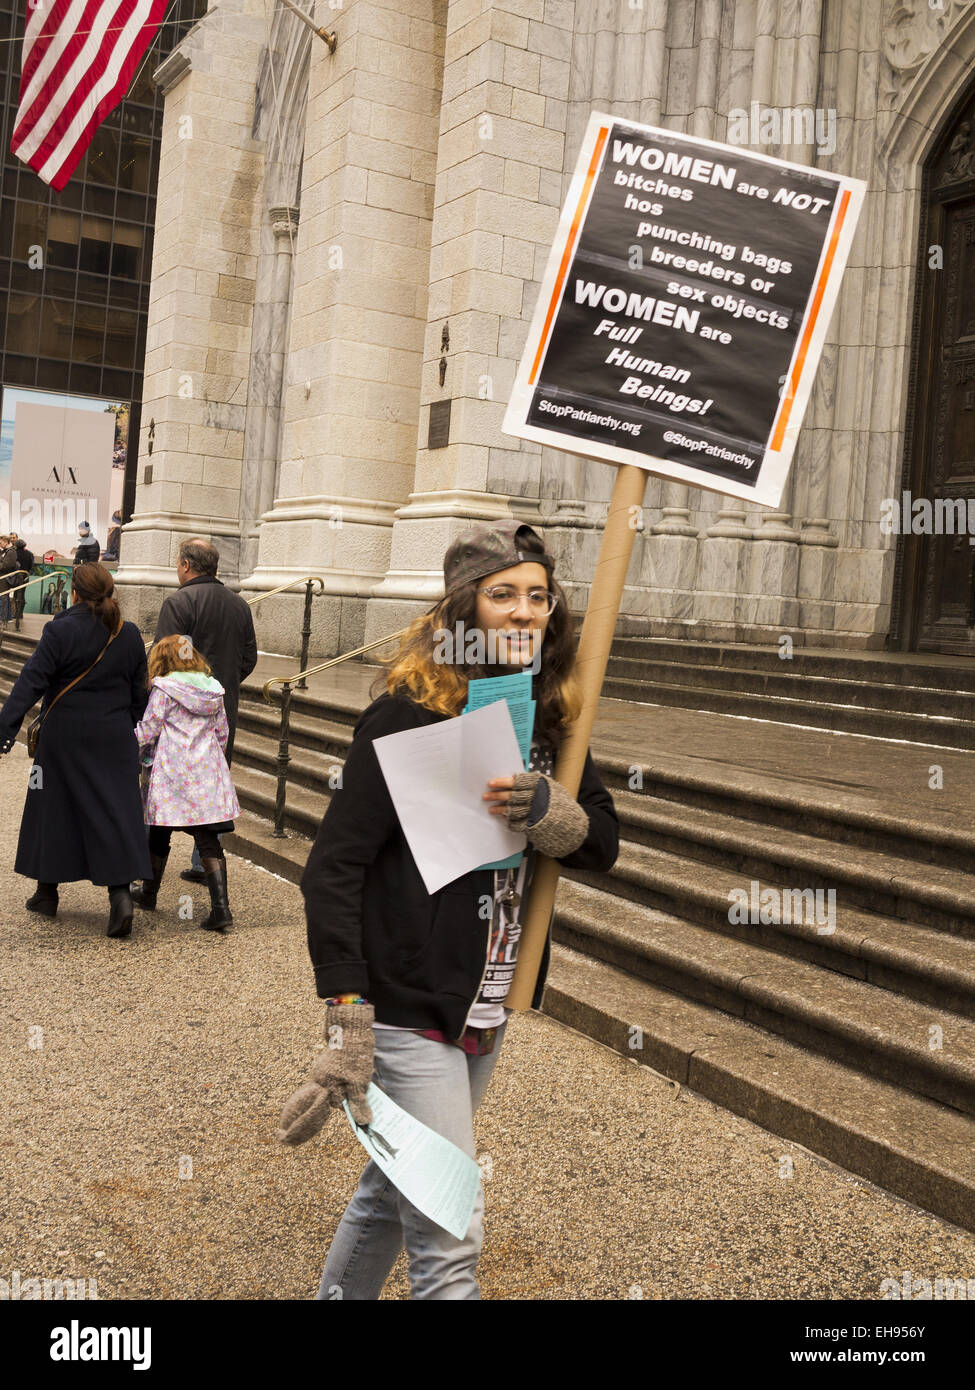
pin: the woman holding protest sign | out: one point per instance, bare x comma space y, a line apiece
414, 983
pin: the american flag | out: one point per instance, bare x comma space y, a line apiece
78, 60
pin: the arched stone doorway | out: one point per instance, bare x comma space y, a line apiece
935, 593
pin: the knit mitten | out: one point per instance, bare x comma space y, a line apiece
564, 825
341, 1071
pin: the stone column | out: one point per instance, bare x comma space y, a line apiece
352, 398
772, 603
200, 305
262, 429
498, 194
671, 551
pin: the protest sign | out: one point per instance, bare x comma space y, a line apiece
684, 308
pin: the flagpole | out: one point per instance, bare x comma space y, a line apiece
330, 38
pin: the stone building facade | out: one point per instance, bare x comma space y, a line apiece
346, 238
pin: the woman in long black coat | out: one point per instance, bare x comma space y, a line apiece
83, 813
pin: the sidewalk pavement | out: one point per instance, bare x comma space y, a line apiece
129, 1063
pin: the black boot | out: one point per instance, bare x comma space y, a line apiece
220, 915
121, 910
194, 876
45, 900
147, 894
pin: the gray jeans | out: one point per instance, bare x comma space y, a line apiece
441, 1086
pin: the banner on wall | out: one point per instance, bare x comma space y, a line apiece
684, 307
59, 467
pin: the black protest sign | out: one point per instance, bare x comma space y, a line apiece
684, 308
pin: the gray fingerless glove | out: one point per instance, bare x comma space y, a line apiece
564, 825
341, 1071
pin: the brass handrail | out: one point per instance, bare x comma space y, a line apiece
308, 581
296, 681
332, 661
266, 593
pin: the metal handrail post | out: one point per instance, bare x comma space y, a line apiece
302, 684
284, 758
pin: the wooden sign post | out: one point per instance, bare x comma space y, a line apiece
592, 654
678, 330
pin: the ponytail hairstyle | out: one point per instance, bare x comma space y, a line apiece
95, 586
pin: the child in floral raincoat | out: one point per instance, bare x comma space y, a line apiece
190, 787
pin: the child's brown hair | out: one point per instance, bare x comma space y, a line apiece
176, 653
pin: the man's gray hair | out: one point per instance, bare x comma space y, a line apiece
200, 555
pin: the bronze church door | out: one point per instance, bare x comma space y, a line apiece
943, 471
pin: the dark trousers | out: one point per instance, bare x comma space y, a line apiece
206, 838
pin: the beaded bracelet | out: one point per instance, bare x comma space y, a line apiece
345, 999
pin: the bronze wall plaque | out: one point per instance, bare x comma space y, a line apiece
438, 430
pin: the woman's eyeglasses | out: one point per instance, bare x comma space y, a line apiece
505, 599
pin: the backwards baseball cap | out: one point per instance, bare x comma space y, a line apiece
490, 546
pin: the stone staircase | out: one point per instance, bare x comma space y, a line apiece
886, 695
852, 1037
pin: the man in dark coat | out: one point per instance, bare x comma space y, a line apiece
221, 626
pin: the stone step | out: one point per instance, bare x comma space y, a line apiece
782, 803
883, 698
930, 730
928, 965
257, 789
916, 1148
17, 644
254, 839
934, 895
341, 708
753, 797
852, 1021
260, 731
308, 767
939, 673
943, 896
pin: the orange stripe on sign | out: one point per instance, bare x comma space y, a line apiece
786, 407
567, 253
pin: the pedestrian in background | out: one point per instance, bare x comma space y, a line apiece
8, 576
114, 542
25, 562
190, 789
221, 626
83, 813
88, 550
